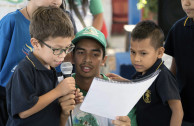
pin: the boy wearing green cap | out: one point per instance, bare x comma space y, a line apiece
88, 56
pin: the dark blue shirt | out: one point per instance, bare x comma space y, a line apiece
153, 109
180, 45
29, 81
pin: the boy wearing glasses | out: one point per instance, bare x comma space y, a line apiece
32, 91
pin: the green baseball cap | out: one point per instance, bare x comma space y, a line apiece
90, 32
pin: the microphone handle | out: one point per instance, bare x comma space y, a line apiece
71, 118
65, 76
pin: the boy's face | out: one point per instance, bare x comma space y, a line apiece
188, 7
46, 3
46, 55
88, 57
144, 55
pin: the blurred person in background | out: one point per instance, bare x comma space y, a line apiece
180, 44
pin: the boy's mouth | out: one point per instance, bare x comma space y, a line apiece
138, 66
58, 62
188, 10
86, 69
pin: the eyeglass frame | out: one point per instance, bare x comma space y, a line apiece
61, 50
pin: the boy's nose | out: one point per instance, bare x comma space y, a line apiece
137, 58
87, 58
55, 3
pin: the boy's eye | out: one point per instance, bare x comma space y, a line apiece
143, 53
56, 51
80, 52
96, 54
132, 52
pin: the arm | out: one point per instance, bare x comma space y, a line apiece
116, 77
63, 119
122, 121
173, 67
63, 88
98, 21
177, 112
68, 103
96, 9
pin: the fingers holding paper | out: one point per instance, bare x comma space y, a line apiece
116, 77
78, 96
122, 121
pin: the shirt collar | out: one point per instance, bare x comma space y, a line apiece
36, 63
188, 22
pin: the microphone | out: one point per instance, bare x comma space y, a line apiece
66, 69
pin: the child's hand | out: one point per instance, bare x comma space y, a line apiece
122, 121
116, 77
78, 96
67, 103
66, 86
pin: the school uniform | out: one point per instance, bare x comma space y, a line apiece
153, 109
180, 45
29, 81
3, 110
14, 46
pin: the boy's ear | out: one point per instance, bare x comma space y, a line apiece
161, 52
104, 60
35, 43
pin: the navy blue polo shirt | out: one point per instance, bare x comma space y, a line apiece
152, 109
180, 45
29, 81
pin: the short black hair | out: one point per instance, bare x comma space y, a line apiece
148, 29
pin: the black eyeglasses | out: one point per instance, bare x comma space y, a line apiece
59, 51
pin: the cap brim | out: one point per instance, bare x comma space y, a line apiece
87, 36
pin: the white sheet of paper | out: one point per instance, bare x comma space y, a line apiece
110, 99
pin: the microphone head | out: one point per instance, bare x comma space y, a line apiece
66, 68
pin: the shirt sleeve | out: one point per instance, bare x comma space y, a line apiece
169, 48
6, 31
20, 91
96, 7
132, 116
167, 87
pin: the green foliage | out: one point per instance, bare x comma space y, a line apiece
151, 5
150, 8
